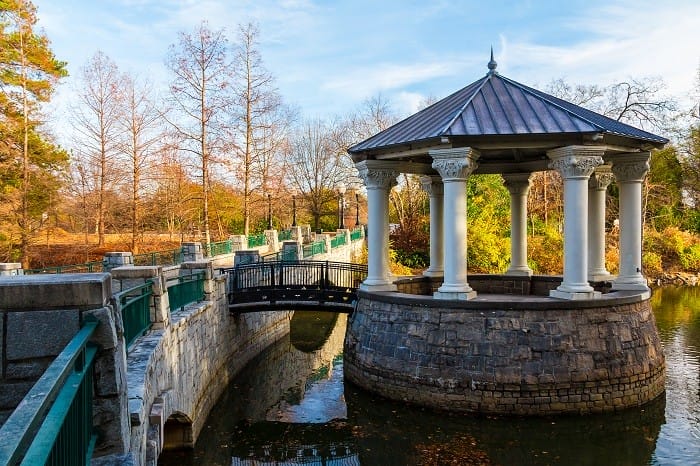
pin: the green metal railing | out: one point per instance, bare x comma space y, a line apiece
284, 235
87, 267
171, 257
188, 289
136, 310
53, 423
339, 240
256, 240
356, 234
319, 247
216, 249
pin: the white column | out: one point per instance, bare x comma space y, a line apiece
597, 186
518, 185
433, 186
575, 165
454, 167
379, 178
629, 171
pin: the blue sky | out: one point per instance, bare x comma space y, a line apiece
329, 56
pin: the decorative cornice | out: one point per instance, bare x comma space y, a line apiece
517, 183
432, 185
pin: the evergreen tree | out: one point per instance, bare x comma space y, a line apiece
29, 160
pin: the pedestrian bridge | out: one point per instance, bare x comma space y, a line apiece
300, 285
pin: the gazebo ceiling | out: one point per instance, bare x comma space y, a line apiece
508, 122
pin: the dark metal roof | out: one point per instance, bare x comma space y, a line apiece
497, 106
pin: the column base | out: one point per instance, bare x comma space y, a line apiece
637, 283
574, 295
603, 276
454, 295
522, 271
376, 285
433, 273
460, 292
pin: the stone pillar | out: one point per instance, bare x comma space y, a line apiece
192, 252
433, 186
597, 186
238, 242
575, 165
297, 234
629, 171
518, 185
249, 256
112, 260
454, 166
292, 250
11, 269
273, 241
379, 177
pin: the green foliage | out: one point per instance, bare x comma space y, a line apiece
664, 189
680, 249
546, 251
651, 263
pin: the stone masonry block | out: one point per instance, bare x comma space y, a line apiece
37, 334
75, 290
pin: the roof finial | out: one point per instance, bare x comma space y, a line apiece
492, 64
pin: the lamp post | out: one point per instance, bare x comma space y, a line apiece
294, 210
341, 203
357, 209
269, 211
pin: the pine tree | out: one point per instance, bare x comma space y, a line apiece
29, 159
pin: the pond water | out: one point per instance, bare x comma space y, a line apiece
291, 406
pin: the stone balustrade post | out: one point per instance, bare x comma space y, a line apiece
249, 256
292, 250
192, 251
8, 269
127, 277
273, 241
298, 233
112, 260
238, 242
575, 164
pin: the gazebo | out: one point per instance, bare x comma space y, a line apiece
583, 342
497, 125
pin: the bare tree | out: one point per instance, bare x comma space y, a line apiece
143, 133
98, 131
261, 121
315, 166
200, 94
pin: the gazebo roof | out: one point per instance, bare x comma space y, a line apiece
496, 111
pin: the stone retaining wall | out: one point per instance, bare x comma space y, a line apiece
532, 356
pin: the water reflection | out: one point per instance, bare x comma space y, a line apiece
289, 407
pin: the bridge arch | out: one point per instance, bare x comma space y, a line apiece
177, 432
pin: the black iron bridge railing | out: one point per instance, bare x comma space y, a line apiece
294, 285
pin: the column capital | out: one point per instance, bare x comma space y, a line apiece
432, 185
378, 174
601, 178
455, 164
517, 183
629, 168
575, 161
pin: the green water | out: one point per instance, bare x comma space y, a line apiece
291, 406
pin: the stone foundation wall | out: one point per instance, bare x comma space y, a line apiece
528, 357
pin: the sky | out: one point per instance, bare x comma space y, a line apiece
329, 56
